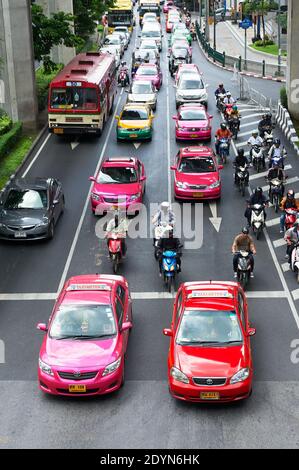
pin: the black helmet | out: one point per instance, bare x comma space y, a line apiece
241, 153
277, 141
269, 116
290, 194
223, 126
245, 230
258, 190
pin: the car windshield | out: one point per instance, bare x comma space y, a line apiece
74, 98
26, 199
140, 88
197, 165
83, 321
113, 40
145, 54
147, 71
180, 53
192, 115
209, 327
134, 114
150, 34
117, 175
191, 84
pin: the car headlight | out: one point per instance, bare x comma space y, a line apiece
178, 375
181, 128
45, 367
44, 223
147, 128
215, 185
3, 226
135, 196
95, 197
181, 185
240, 376
112, 367
204, 96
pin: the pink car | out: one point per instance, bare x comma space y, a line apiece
83, 352
186, 68
150, 72
193, 123
120, 182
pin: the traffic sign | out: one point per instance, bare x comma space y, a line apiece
245, 24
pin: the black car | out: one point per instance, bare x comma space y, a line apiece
177, 57
144, 56
30, 208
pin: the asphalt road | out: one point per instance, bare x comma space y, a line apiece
143, 414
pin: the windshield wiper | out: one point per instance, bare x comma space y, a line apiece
200, 342
84, 336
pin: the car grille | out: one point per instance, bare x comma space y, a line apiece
132, 130
216, 381
197, 186
73, 376
67, 392
26, 227
115, 200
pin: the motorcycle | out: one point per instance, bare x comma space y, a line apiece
169, 268
257, 158
224, 149
279, 160
115, 249
123, 77
242, 176
268, 139
258, 219
244, 268
220, 102
159, 231
234, 124
291, 217
276, 192
295, 260
227, 110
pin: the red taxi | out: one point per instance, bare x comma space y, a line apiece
209, 357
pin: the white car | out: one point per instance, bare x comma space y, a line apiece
191, 89
111, 40
123, 37
143, 92
149, 33
149, 44
123, 29
114, 50
150, 17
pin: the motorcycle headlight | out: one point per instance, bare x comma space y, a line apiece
178, 375
240, 376
95, 196
45, 367
215, 185
112, 367
181, 185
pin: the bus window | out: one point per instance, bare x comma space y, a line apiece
75, 98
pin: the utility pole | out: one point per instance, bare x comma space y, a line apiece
279, 37
215, 24
207, 26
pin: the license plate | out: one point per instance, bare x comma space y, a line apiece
133, 135
194, 135
58, 131
209, 395
20, 234
197, 194
77, 388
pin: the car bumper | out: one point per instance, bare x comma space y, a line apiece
202, 101
127, 134
100, 208
98, 386
66, 130
35, 234
200, 194
227, 393
184, 135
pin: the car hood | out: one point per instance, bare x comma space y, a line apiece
140, 97
78, 353
152, 78
134, 124
22, 217
193, 124
193, 92
211, 362
197, 178
116, 189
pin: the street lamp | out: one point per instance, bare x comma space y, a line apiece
214, 6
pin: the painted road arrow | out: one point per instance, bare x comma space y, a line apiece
136, 145
215, 221
75, 144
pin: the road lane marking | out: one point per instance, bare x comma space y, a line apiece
28, 296
295, 294
243, 134
36, 156
215, 221
168, 137
136, 145
272, 222
77, 233
249, 116
265, 173
248, 124
278, 243
289, 181
285, 267
241, 144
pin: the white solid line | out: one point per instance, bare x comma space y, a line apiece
265, 173
295, 294
285, 267
75, 240
28, 296
266, 294
36, 156
279, 242
168, 137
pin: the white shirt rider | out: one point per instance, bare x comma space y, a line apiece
255, 141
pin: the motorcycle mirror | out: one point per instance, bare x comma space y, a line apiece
167, 332
173, 167
174, 117
92, 178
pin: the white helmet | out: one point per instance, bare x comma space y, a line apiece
165, 206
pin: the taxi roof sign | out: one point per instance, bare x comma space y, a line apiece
87, 287
211, 293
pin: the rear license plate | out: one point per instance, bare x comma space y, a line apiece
58, 131
133, 135
20, 234
197, 194
77, 388
209, 395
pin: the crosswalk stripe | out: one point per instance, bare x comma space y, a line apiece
272, 222
289, 181
243, 134
285, 267
279, 242
248, 124
265, 173
295, 294
241, 144
252, 115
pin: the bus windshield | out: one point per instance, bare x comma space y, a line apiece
118, 18
74, 98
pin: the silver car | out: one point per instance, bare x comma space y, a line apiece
114, 50
191, 89
111, 40
143, 92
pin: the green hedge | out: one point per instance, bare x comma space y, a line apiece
5, 123
43, 81
284, 97
10, 139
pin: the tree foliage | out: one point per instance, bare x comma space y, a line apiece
87, 12
259, 8
49, 32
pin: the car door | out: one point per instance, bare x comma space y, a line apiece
140, 172
242, 306
121, 318
57, 202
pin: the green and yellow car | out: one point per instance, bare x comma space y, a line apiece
135, 122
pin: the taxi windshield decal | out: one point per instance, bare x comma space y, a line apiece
88, 287
210, 293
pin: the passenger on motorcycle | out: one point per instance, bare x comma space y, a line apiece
257, 197
292, 238
276, 151
235, 114
255, 139
222, 133
229, 99
288, 202
170, 243
276, 173
243, 242
119, 225
265, 123
240, 161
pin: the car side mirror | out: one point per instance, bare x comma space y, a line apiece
92, 178
143, 178
251, 332
220, 167
126, 326
173, 167
116, 117
167, 332
174, 118
42, 327
211, 117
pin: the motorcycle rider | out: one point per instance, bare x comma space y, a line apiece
265, 123
257, 197
241, 161
229, 99
222, 133
292, 238
276, 151
220, 90
235, 114
164, 216
288, 202
276, 173
255, 139
170, 243
243, 242
124, 68
119, 225
193, 31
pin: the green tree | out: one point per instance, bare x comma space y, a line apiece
259, 8
87, 13
49, 32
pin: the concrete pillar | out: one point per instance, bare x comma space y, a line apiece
293, 58
59, 54
17, 69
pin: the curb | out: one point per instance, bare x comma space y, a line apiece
247, 74
285, 122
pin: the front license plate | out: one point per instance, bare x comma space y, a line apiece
209, 395
77, 388
20, 234
194, 136
58, 131
133, 135
197, 194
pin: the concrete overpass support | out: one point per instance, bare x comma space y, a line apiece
293, 58
18, 95
60, 54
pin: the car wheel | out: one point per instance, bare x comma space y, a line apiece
123, 376
51, 231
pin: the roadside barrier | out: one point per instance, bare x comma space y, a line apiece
285, 122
